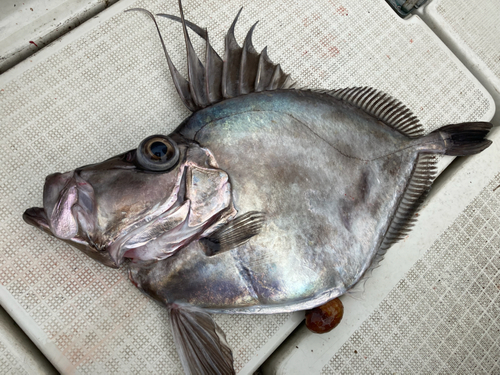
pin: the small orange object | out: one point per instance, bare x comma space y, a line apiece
326, 317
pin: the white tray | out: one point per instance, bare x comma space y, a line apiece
103, 87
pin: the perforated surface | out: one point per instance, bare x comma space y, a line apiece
444, 315
477, 26
106, 87
10, 364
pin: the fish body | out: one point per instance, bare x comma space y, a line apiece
266, 199
329, 178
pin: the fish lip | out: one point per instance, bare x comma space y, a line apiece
68, 202
37, 217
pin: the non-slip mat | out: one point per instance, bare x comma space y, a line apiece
105, 87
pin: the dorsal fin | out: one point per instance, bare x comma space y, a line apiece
249, 64
181, 84
231, 68
242, 71
383, 107
196, 70
405, 216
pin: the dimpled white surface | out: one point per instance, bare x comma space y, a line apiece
475, 28
105, 86
9, 363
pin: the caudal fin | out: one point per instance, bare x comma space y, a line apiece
466, 138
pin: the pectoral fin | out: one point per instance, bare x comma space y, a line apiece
235, 233
200, 342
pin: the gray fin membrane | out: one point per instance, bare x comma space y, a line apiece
180, 83
381, 106
404, 219
242, 71
235, 233
200, 342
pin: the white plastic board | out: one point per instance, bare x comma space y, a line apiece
28, 26
471, 29
103, 87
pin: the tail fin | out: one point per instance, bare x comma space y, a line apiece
466, 138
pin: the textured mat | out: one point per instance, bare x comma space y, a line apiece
105, 86
474, 25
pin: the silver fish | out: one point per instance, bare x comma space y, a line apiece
267, 199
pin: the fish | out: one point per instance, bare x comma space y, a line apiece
268, 198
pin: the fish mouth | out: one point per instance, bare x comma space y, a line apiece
68, 202
36, 217
68, 213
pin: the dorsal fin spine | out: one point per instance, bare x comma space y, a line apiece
180, 83
233, 52
196, 70
274, 80
264, 74
247, 64
208, 62
288, 82
213, 74
258, 74
241, 72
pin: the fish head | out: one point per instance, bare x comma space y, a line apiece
143, 204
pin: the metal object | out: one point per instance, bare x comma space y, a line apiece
404, 7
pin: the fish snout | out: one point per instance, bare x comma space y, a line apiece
68, 203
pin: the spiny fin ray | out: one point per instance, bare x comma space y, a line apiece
249, 64
242, 71
235, 233
231, 68
196, 70
180, 83
383, 107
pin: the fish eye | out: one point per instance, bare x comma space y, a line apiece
157, 153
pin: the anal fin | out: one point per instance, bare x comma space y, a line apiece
200, 342
234, 234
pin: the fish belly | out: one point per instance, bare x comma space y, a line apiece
329, 179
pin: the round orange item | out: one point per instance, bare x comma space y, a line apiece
326, 317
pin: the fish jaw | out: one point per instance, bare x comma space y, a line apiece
36, 217
68, 207
69, 203
68, 214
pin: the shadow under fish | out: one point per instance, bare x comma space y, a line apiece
267, 199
